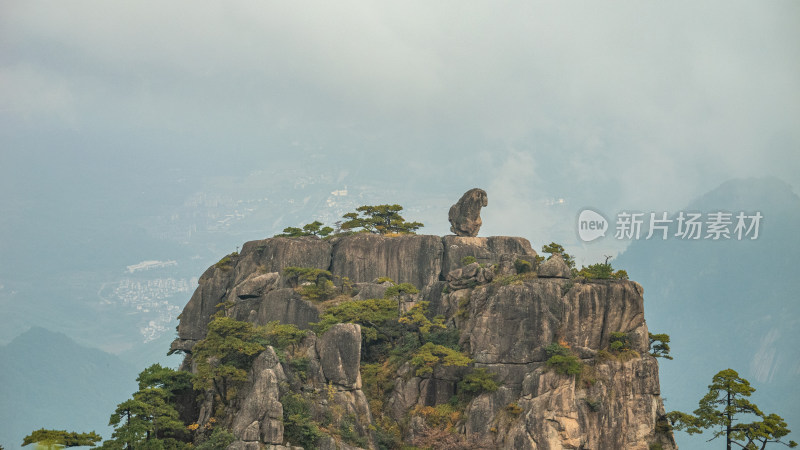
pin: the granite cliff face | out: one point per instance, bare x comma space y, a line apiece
504, 312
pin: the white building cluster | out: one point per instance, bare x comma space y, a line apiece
149, 297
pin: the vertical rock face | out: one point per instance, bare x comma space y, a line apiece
465, 215
504, 322
339, 353
512, 324
275, 254
363, 257
260, 416
253, 273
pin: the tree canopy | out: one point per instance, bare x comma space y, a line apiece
554, 248
371, 314
149, 418
659, 345
314, 228
380, 219
225, 354
723, 410
602, 271
60, 438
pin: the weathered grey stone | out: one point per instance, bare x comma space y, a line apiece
329, 443
370, 290
268, 360
241, 445
557, 414
465, 215
435, 294
554, 267
183, 345
256, 285
405, 395
241, 278
513, 324
272, 430
363, 257
212, 290
286, 306
261, 402
251, 433
434, 391
275, 254
469, 276
339, 351
486, 250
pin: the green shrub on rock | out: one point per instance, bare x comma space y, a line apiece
226, 262
561, 359
299, 427
399, 289
372, 315
522, 266
220, 438
282, 336
225, 355
313, 283
478, 381
430, 355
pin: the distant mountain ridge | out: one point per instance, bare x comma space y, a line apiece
44, 371
728, 303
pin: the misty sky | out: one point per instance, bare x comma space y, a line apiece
116, 115
616, 106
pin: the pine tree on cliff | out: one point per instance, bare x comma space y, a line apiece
314, 228
60, 439
380, 219
149, 419
722, 409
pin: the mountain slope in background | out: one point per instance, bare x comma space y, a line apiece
728, 303
50, 381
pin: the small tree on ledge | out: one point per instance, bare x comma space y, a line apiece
380, 219
554, 248
314, 228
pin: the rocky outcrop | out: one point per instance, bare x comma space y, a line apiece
503, 320
465, 215
330, 374
253, 273
513, 324
470, 275
339, 352
252, 281
363, 257
275, 254
552, 412
501, 250
260, 416
554, 267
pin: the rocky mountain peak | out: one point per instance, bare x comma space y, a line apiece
446, 342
